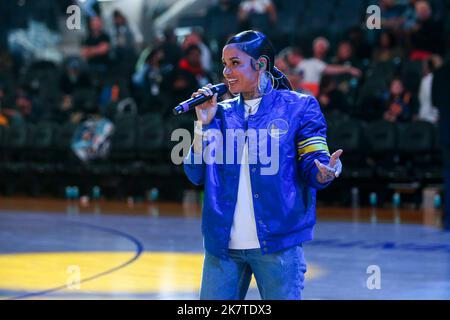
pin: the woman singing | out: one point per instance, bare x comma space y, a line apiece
255, 218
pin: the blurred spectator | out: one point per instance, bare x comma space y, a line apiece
27, 107
125, 32
186, 78
345, 82
399, 103
147, 80
344, 54
192, 63
313, 68
391, 14
287, 61
386, 49
96, 47
330, 98
172, 51
249, 8
362, 50
441, 99
426, 34
74, 77
428, 112
126, 38
409, 15
292, 56
195, 39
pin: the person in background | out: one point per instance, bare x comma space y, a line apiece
313, 68
185, 78
125, 33
386, 48
195, 39
330, 98
96, 48
361, 48
409, 15
391, 14
125, 40
399, 103
74, 77
427, 34
247, 8
29, 108
287, 60
192, 63
345, 57
147, 80
428, 112
172, 51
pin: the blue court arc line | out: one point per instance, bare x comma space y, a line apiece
138, 251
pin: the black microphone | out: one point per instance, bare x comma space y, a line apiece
191, 103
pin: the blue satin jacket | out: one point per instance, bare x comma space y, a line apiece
284, 201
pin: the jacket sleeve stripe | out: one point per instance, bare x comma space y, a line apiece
316, 138
313, 148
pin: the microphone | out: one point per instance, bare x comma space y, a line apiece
191, 103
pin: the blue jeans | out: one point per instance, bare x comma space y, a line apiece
279, 275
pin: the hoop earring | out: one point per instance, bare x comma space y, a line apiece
262, 91
272, 78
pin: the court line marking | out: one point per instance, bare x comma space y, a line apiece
138, 251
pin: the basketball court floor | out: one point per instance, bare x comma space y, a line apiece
55, 249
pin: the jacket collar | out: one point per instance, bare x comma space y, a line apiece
264, 107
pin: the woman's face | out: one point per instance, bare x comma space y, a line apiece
238, 70
396, 87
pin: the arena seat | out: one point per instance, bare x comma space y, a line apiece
62, 152
17, 141
150, 136
417, 148
123, 141
412, 75
382, 138
41, 142
349, 136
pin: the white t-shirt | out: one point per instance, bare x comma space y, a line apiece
312, 70
427, 111
256, 6
243, 231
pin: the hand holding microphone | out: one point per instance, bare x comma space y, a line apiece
205, 102
207, 110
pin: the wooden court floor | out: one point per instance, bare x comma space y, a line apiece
56, 249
